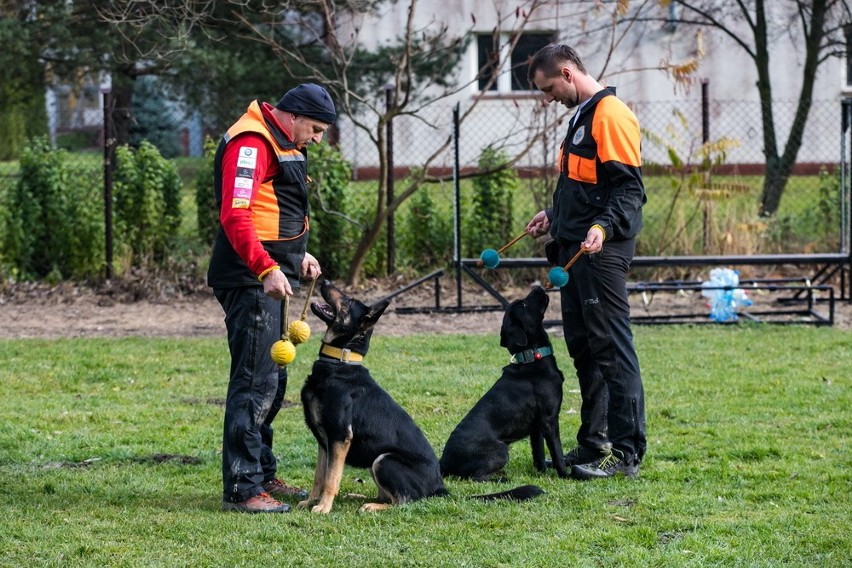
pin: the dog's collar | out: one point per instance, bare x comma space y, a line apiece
531, 355
343, 355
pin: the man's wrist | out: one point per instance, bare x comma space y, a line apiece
602, 230
266, 272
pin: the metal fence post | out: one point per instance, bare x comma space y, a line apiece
109, 146
457, 209
705, 111
845, 179
391, 229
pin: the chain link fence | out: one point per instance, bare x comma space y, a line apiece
698, 203
703, 162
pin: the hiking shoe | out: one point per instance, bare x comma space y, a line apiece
279, 489
261, 503
606, 466
580, 455
576, 455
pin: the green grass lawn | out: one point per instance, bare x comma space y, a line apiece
110, 455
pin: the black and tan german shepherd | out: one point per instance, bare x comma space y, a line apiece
357, 423
524, 402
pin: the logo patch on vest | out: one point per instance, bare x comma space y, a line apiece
578, 136
243, 187
240, 203
247, 157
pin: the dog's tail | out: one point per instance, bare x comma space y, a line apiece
521, 493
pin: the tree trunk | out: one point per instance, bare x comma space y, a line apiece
778, 168
774, 182
374, 229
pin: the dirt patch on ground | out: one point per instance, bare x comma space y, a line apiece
183, 310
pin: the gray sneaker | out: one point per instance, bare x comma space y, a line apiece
576, 455
606, 466
580, 455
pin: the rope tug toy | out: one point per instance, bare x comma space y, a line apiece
299, 330
558, 275
283, 351
490, 258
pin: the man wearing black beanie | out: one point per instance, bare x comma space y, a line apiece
259, 255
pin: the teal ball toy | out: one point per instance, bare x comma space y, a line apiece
490, 258
558, 276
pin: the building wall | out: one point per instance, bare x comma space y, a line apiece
633, 67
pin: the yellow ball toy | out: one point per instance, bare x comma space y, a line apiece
299, 331
283, 352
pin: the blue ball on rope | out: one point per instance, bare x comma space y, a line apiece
490, 258
558, 276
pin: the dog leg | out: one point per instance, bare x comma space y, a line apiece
372, 507
537, 447
333, 474
554, 446
386, 498
319, 474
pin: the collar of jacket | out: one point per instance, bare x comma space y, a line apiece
343, 355
531, 355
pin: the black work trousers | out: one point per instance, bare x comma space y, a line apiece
596, 323
255, 391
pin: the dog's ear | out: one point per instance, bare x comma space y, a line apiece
512, 333
376, 310
516, 337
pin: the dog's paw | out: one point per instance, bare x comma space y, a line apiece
321, 508
371, 507
306, 503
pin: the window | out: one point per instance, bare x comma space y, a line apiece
848, 31
492, 49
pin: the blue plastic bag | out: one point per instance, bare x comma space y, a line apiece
724, 302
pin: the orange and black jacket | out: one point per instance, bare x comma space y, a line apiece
263, 203
600, 181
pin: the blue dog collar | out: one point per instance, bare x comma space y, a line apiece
531, 355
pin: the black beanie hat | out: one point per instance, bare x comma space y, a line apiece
309, 100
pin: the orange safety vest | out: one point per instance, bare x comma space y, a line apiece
279, 210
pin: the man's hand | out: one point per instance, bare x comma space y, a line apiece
310, 268
539, 225
594, 240
276, 285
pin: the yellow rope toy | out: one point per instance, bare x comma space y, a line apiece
283, 351
299, 330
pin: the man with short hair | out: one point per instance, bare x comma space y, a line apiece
261, 183
597, 208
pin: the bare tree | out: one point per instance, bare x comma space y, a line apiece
418, 73
321, 41
755, 26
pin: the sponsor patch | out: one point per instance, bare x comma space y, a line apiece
243, 183
578, 136
248, 157
240, 203
245, 172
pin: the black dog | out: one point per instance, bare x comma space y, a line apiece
356, 422
525, 401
